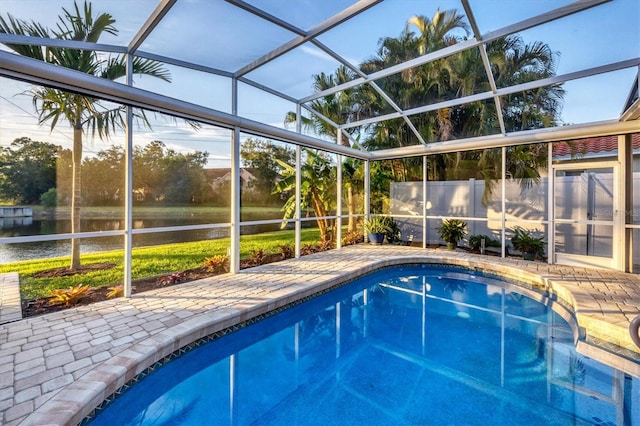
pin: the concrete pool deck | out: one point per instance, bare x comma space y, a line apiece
55, 369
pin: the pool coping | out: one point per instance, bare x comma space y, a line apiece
289, 281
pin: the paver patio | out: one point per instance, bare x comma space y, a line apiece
54, 369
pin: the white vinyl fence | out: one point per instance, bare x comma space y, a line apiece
578, 197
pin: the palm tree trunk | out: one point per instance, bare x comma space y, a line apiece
76, 197
320, 213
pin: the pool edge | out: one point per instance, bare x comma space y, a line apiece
79, 399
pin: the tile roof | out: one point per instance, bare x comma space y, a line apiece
591, 145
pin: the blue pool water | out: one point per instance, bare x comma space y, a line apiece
409, 345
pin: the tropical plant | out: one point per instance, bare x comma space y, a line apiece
82, 113
512, 61
308, 249
117, 291
377, 225
317, 191
475, 241
452, 231
173, 278
287, 251
218, 263
352, 237
529, 245
69, 296
393, 234
326, 245
336, 109
258, 257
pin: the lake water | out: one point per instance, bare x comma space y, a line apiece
47, 249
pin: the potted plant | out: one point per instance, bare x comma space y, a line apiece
475, 242
376, 227
393, 233
452, 231
530, 247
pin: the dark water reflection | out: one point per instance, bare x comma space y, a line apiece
47, 249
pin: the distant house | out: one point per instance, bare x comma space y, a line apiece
219, 176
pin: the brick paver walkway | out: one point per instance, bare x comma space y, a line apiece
56, 368
10, 309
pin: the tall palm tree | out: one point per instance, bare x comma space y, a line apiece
341, 108
513, 61
83, 113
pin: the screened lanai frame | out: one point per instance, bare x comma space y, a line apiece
24, 69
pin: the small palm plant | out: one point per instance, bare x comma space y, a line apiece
376, 227
530, 246
452, 231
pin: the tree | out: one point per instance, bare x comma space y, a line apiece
184, 177
263, 158
49, 199
512, 61
105, 172
162, 174
317, 190
342, 107
27, 170
147, 162
83, 113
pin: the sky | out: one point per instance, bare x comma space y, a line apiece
216, 34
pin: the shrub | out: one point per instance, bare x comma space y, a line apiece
308, 249
452, 231
69, 296
325, 245
258, 256
524, 242
393, 233
475, 241
117, 291
287, 251
352, 237
49, 199
217, 264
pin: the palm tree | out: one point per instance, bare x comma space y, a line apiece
341, 108
82, 112
513, 61
318, 176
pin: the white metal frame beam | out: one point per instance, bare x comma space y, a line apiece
442, 53
629, 63
38, 72
152, 21
576, 131
325, 26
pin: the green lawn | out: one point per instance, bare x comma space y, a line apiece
146, 261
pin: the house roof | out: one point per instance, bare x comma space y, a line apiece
591, 145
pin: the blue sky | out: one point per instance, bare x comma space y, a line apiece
227, 38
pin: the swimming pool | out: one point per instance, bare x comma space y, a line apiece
406, 345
